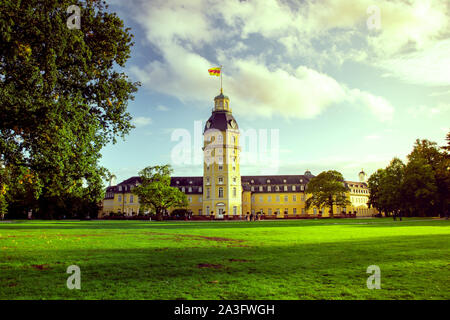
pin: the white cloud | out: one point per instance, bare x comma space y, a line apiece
141, 121
441, 109
430, 66
268, 80
162, 108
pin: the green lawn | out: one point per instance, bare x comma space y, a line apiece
290, 259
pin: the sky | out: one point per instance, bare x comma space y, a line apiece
325, 85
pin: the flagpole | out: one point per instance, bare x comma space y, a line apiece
221, 91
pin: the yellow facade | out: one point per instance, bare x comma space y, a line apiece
222, 192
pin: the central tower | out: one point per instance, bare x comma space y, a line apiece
222, 190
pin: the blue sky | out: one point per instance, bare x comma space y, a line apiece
346, 85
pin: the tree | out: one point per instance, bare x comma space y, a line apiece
419, 188
327, 189
375, 186
391, 195
438, 160
62, 94
155, 191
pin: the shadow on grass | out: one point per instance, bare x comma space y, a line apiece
222, 270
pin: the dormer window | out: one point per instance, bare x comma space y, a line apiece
268, 180
284, 181
252, 181
178, 182
190, 182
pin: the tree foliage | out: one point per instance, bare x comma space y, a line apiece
62, 94
155, 191
419, 188
327, 189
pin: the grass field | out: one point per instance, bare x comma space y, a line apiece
291, 259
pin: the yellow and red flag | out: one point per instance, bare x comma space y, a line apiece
214, 72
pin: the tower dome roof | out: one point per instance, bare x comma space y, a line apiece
221, 120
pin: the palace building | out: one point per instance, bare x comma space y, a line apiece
223, 193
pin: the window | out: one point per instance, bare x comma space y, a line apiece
131, 198
303, 197
120, 188
183, 189
119, 198
190, 189
278, 198
303, 210
270, 212
260, 199
269, 188
315, 211
260, 188
252, 188
268, 181
199, 212
178, 182
207, 167
234, 179
190, 199
269, 198
220, 192
234, 168
253, 198
234, 192
294, 211
207, 193
294, 198
277, 188
200, 189
286, 211
220, 167
207, 211
286, 198
200, 199
293, 188
220, 180
302, 188
234, 210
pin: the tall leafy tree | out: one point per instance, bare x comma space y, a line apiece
419, 188
375, 184
327, 189
155, 191
437, 160
391, 187
62, 94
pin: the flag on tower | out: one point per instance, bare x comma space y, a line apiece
214, 72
